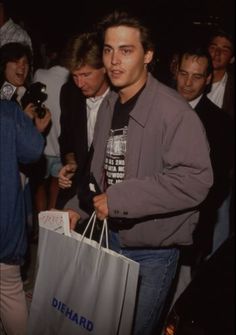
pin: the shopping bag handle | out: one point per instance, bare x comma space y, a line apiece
92, 221
104, 227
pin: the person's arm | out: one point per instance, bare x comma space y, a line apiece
74, 217
184, 181
30, 110
30, 143
42, 124
65, 139
70, 159
67, 171
100, 203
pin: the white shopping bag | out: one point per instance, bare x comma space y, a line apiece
81, 287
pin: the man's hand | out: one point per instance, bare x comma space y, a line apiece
65, 175
74, 218
41, 124
30, 110
101, 206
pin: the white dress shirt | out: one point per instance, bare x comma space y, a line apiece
217, 92
93, 105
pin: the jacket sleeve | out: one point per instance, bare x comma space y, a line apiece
63, 124
181, 184
29, 142
66, 120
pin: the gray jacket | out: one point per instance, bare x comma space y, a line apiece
167, 168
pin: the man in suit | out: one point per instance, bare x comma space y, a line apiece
194, 76
221, 49
80, 100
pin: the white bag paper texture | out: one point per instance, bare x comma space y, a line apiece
55, 220
81, 288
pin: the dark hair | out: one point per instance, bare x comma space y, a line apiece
198, 52
220, 32
84, 49
122, 18
11, 52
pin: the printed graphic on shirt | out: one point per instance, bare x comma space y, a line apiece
115, 156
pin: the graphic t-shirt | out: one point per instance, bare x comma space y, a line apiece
117, 141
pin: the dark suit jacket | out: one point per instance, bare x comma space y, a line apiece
219, 130
73, 136
229, 102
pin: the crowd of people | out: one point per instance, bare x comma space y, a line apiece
161, 153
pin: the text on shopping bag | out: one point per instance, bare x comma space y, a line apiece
72, 315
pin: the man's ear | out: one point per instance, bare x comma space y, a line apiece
232, 60
148, 56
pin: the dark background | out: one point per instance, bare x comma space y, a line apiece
173, 22
66, 16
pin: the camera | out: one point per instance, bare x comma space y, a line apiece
7, 91
35, 95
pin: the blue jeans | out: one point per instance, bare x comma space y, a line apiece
157, 271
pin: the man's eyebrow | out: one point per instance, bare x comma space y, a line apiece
227, 47
120, 46
127, 46
223, 46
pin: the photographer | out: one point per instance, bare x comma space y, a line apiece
20, 142
15, 69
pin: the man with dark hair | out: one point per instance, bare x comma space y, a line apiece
151, 161
194, 76
221, 49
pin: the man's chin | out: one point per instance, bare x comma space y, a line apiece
87, 94
117, 83
188, 97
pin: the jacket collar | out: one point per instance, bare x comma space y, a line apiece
141, 111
